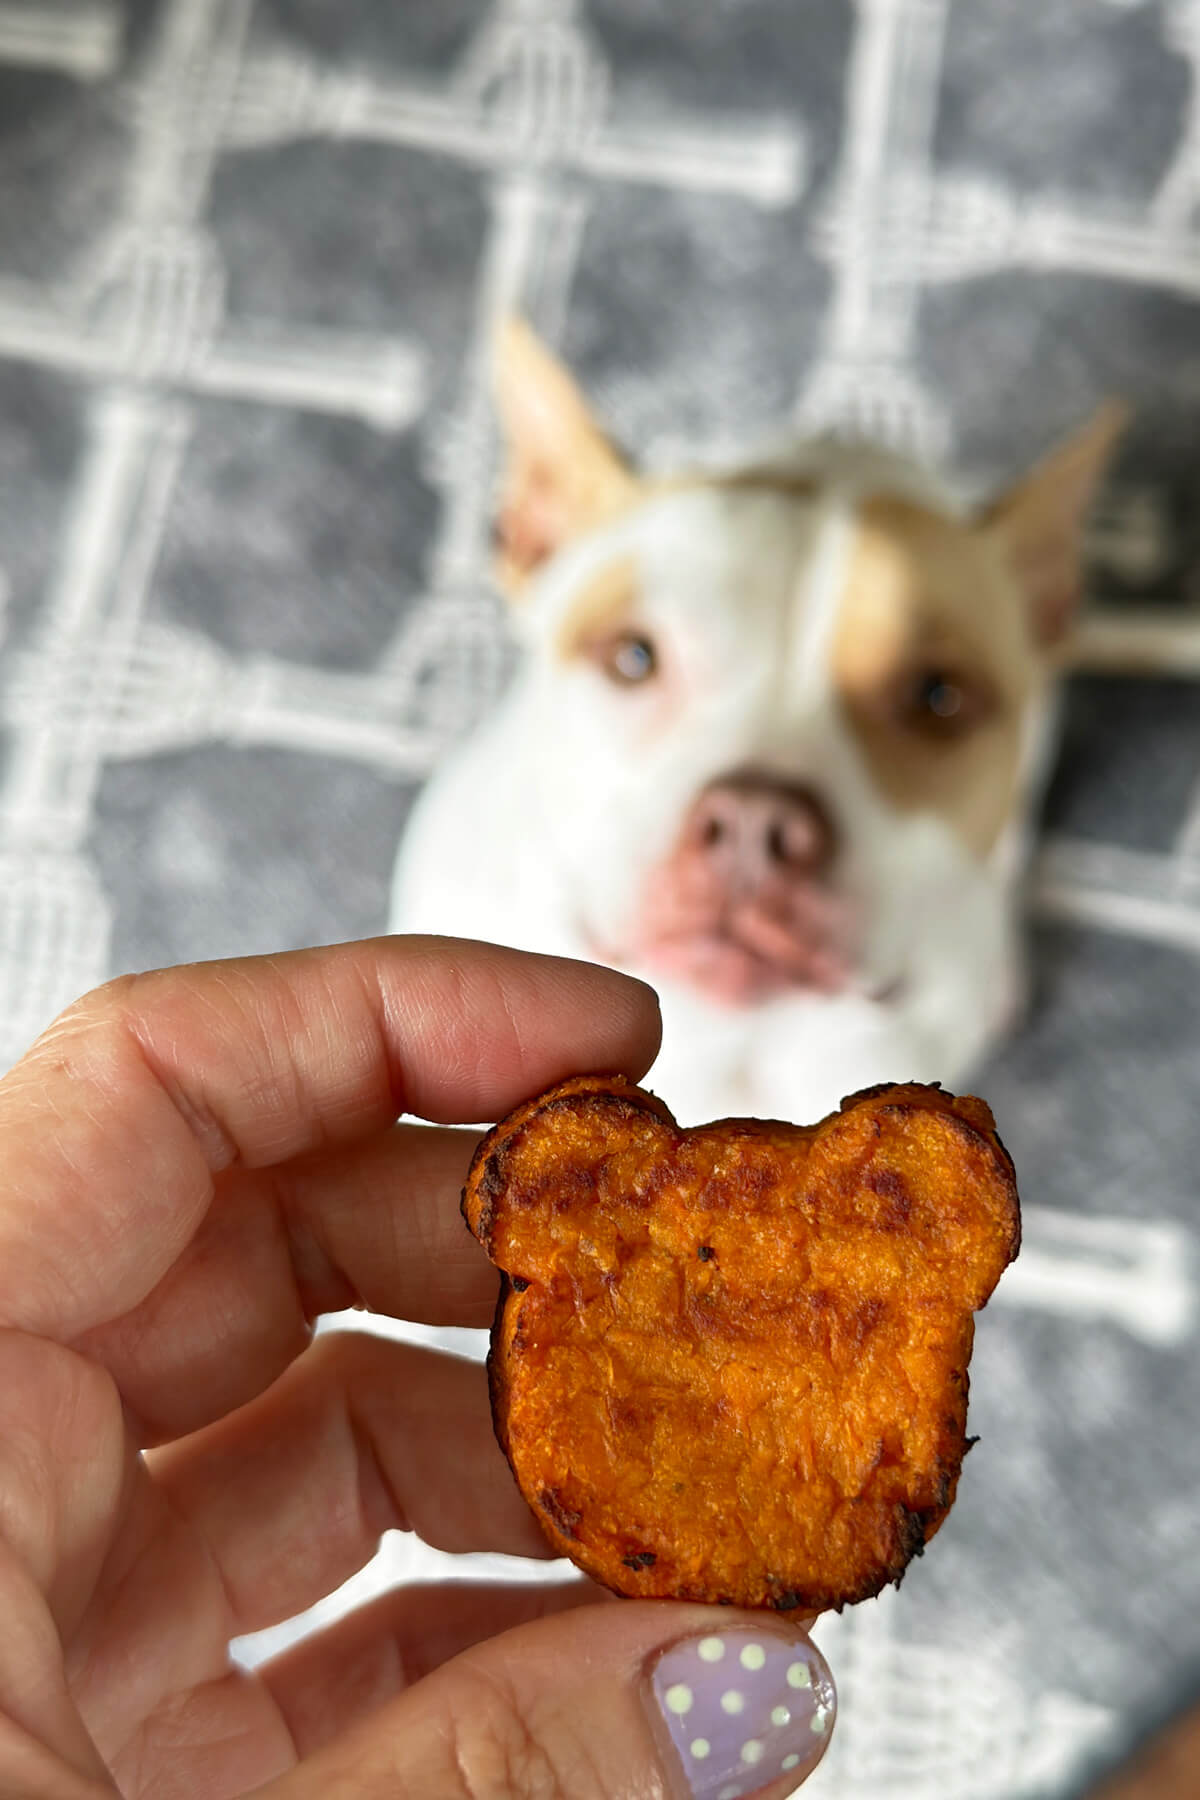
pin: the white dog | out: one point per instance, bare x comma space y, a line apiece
774, 746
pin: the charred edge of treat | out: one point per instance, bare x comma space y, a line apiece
736, 1127
887, 1087
913, 1529
1010, 1172
947, 1471
549, 1517
497, 1385
498, 1395
818, 1597
589, 1561
485, 1183
1005, 1167
912, 1522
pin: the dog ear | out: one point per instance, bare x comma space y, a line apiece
561, 474
1039, 522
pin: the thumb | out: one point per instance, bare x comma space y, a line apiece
619, 1702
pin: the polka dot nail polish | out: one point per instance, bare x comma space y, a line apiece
743, 1710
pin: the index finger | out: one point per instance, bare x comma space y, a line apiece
114, 1125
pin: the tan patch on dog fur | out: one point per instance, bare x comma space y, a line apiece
602, 605
927, 594
785, 484
789, 484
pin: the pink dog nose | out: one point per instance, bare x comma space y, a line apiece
755, 830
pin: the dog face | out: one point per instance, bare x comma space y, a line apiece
785, 718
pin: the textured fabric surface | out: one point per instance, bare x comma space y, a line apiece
250, 251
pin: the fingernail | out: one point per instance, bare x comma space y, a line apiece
742, 1710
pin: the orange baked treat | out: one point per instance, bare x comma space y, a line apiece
730, 1364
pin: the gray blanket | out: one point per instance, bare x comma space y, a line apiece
249, 254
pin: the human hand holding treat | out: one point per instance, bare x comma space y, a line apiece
195, 1164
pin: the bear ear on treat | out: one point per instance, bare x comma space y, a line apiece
1038, 523
550, 1156
561, 475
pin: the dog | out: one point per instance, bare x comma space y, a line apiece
775, 744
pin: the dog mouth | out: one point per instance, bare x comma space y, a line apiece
744, 952
728, 969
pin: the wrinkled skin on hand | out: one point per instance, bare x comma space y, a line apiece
729, 1364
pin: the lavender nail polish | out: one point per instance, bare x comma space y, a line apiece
743, 1710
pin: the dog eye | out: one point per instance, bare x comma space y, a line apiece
939, 694
941, 703
629, 659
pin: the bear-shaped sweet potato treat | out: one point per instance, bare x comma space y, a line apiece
730, 1364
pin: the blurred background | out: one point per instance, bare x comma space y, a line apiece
251, 252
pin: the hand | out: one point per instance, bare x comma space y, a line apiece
193, 1165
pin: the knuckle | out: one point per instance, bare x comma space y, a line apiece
106, 1005
88, 1033
500, 1754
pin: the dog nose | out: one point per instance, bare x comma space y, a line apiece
752, 829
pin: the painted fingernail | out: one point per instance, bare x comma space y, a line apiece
742, 1710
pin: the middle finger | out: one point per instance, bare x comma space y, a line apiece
376, 1224
363, 1435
